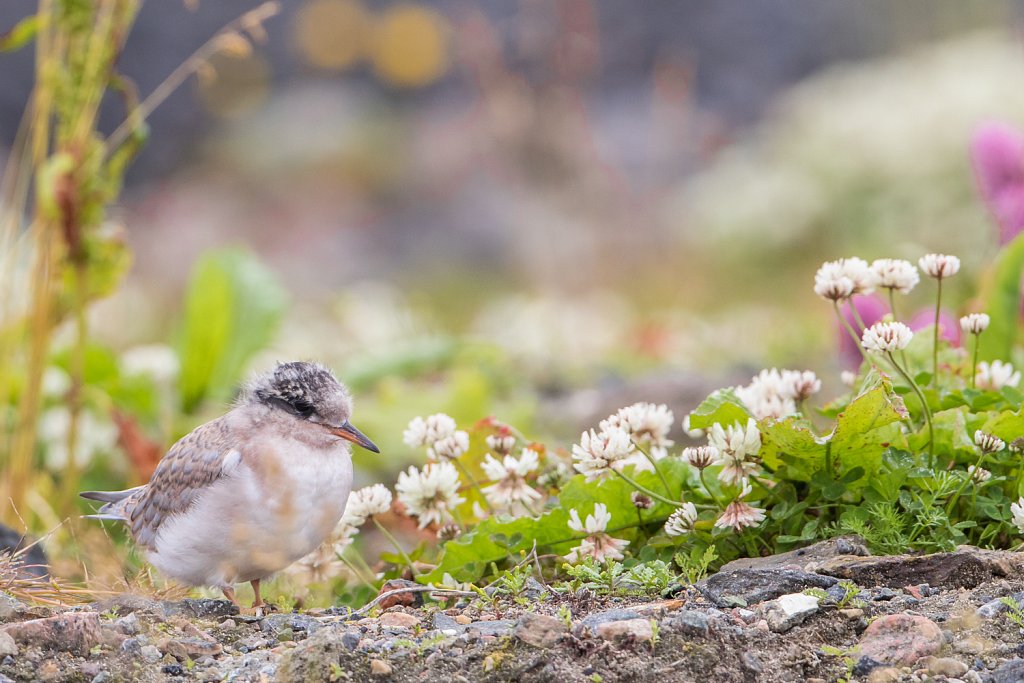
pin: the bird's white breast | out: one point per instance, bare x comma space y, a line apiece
279, 503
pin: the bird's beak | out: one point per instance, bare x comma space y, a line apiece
349, 433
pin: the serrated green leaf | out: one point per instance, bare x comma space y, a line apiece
951, 435
723, 407
867, 428
790, 443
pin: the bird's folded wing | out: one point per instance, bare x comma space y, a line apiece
198, 460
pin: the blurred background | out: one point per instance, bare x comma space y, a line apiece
537, 209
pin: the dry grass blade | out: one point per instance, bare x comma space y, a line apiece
17, 580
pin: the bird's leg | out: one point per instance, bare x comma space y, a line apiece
258, 602
229, 593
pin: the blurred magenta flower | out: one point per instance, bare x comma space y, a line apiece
871, 309
997, 153
949, 324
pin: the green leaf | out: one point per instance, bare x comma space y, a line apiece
867, 428
232, 309
466, 557
790, 443
1006, 425
19, 36
723, 407
1002, 302
951, 434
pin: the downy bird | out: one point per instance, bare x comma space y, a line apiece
249, 493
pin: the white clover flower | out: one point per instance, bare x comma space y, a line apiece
701, 456
886, 337
367, 502
597, 453
996, 375
830, 283
848, 378
56, 382
597, 544
681, 522
431, 493
641, 501
895, 274
739, 514
736, 472
1018, 514
978, 474
645, 423
450, 447
988, 443
429, 431
801, 384
320, 566
157, 361
502, 444
511, 491
736, 441
974, 323
939, 265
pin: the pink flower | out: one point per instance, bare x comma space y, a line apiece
871, 309
997, 153
949, 325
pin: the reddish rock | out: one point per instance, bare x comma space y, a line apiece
406, 599
398, 620
900, 639
75, 632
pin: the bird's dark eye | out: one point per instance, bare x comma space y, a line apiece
299, 407
302, 407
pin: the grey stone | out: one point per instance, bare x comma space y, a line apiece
689, 621
150, 653
588, 626
8, 648
498, 627
127, 603
1008, 672
200, 609
751, 662
994, 608
539, 630
350, 640
806, 559
749, 586
11, 607
943, 666
275, 623
128, 625
965, 568
787, 611
444, 622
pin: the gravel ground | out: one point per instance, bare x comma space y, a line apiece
784, 618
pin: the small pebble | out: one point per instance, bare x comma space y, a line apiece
378, 667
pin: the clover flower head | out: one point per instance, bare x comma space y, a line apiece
510, 490
988, 443
431, 493
895, 274
450, 447
1018, 514
736, 441
597, 544
739, 514
886, 337
367, 502
978, 474
640, 501
848, 378
701, 456
426, 432
974, 323
996, 375
681, 522
939, 266
502, 444
831, 283
646, 423
598, 452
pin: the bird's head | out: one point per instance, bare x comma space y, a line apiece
309, 392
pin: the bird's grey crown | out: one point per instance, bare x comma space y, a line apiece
304, 389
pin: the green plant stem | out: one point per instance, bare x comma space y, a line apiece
974, 364
956, 496
657, 470
394, 542
849, 329
935, 334
355, 570
892, 311
924, 407
474, 483
644, 489
711, 494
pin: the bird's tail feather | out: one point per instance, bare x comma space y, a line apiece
115, 506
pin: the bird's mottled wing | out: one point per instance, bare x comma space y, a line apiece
192, 464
